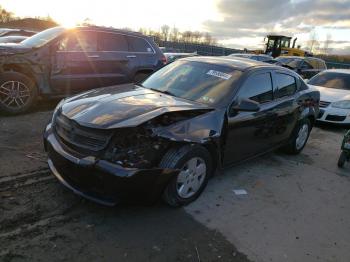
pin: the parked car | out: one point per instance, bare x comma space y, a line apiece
171, 57
307, 67
15, 32
260, 57
60, 62
12, 39
166, 136
334, 86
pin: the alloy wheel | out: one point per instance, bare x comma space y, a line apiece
14, 94
302, 136
191, 177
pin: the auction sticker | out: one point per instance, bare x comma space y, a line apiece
219, 74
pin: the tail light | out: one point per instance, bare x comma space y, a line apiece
163, 59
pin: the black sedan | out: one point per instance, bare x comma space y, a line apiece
167, 136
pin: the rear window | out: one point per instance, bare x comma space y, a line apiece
331, 80
139, 45
258, 88
286, 85
112, 42
290, 61
196, 81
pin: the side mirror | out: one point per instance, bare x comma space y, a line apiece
246, 105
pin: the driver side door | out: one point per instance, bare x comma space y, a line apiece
74, 63
251, 133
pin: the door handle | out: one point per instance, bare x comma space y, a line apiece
93, 56
131, 56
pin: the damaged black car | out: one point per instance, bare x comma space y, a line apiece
167, 136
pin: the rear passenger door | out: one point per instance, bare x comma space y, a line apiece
115, 64
144, 53
286, 106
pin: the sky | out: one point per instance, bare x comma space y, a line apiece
234, 23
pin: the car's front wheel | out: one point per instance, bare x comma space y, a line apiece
299, 137
17, 93
195, 165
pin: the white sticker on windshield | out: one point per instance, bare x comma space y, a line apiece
219, 74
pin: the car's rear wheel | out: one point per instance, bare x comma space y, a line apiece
342, 159
195, 165
17, 93
299, 137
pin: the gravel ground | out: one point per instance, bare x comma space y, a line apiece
296, 209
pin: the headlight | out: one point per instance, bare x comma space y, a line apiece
344, 104
56, 109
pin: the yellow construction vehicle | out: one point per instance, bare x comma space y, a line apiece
280, 45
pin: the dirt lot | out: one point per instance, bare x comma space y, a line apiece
297, 209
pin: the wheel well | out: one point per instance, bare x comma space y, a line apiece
212, 149
312, 119
20, 69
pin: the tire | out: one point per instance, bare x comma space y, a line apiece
342, 159
178, 192
295, 146
18, 93
139, 77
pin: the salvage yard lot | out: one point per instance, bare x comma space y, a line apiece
296, 209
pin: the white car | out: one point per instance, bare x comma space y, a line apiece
334, 86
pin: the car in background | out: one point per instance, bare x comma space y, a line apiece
59, 62
171, 57
334, 86
12, 39
16, 32
307, 67
167, 135
260, 57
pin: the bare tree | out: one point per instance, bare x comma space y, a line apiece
5, 16
165, 32
326, 44
313, 42
174, 34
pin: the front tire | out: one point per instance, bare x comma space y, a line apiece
342, 159
299, 137
18, 93
196, 166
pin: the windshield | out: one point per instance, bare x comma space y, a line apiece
43, 37
289, 61
331, 80
196, 81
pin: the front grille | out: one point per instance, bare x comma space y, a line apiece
78, 137
335, 118
324, 103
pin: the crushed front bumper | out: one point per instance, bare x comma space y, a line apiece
102, 181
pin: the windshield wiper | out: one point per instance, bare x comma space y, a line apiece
163, 91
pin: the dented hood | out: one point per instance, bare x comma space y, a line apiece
122, 106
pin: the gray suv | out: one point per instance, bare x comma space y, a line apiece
58, 62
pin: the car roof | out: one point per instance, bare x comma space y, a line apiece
108, 30
238, 63
302, 57
341, 71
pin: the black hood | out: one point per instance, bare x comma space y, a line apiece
11, 48
122, 106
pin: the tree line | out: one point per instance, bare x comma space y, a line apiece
167, 33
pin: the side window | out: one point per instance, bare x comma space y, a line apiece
286, 85
305, 65
79, 42
258, 88
139, 45
112, 42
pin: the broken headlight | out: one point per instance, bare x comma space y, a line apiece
135, 147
